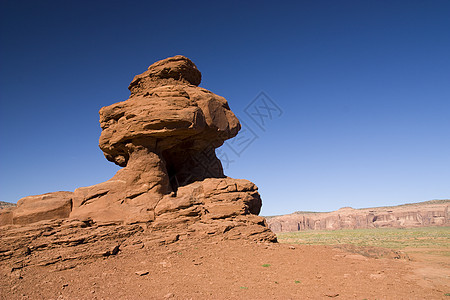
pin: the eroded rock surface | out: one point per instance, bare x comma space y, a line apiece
164, 136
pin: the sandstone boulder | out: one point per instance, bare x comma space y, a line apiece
31, 209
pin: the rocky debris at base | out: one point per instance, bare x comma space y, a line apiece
70, 241
429, 213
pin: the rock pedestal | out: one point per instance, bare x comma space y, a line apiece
164, 136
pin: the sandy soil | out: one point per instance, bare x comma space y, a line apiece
228, 270
431, 267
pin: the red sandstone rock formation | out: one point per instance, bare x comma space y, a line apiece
165, 137
430, 213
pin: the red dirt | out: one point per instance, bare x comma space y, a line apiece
190, 269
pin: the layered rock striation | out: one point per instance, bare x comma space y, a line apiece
430, 213
164, 136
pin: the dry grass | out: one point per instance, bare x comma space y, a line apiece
392, 238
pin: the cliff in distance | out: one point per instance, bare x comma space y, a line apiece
4, 204
429, 213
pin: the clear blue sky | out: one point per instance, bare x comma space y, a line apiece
363, 86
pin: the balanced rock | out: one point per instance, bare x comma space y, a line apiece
164, 136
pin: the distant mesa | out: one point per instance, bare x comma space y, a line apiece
164, 136
4, 204
346, 208
429, 213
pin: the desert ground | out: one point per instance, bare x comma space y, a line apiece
346, 264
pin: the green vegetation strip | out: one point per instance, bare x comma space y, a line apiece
393, 238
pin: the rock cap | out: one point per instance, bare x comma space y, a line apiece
176, 69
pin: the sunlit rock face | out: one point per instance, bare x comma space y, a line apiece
164, 136
430, 213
